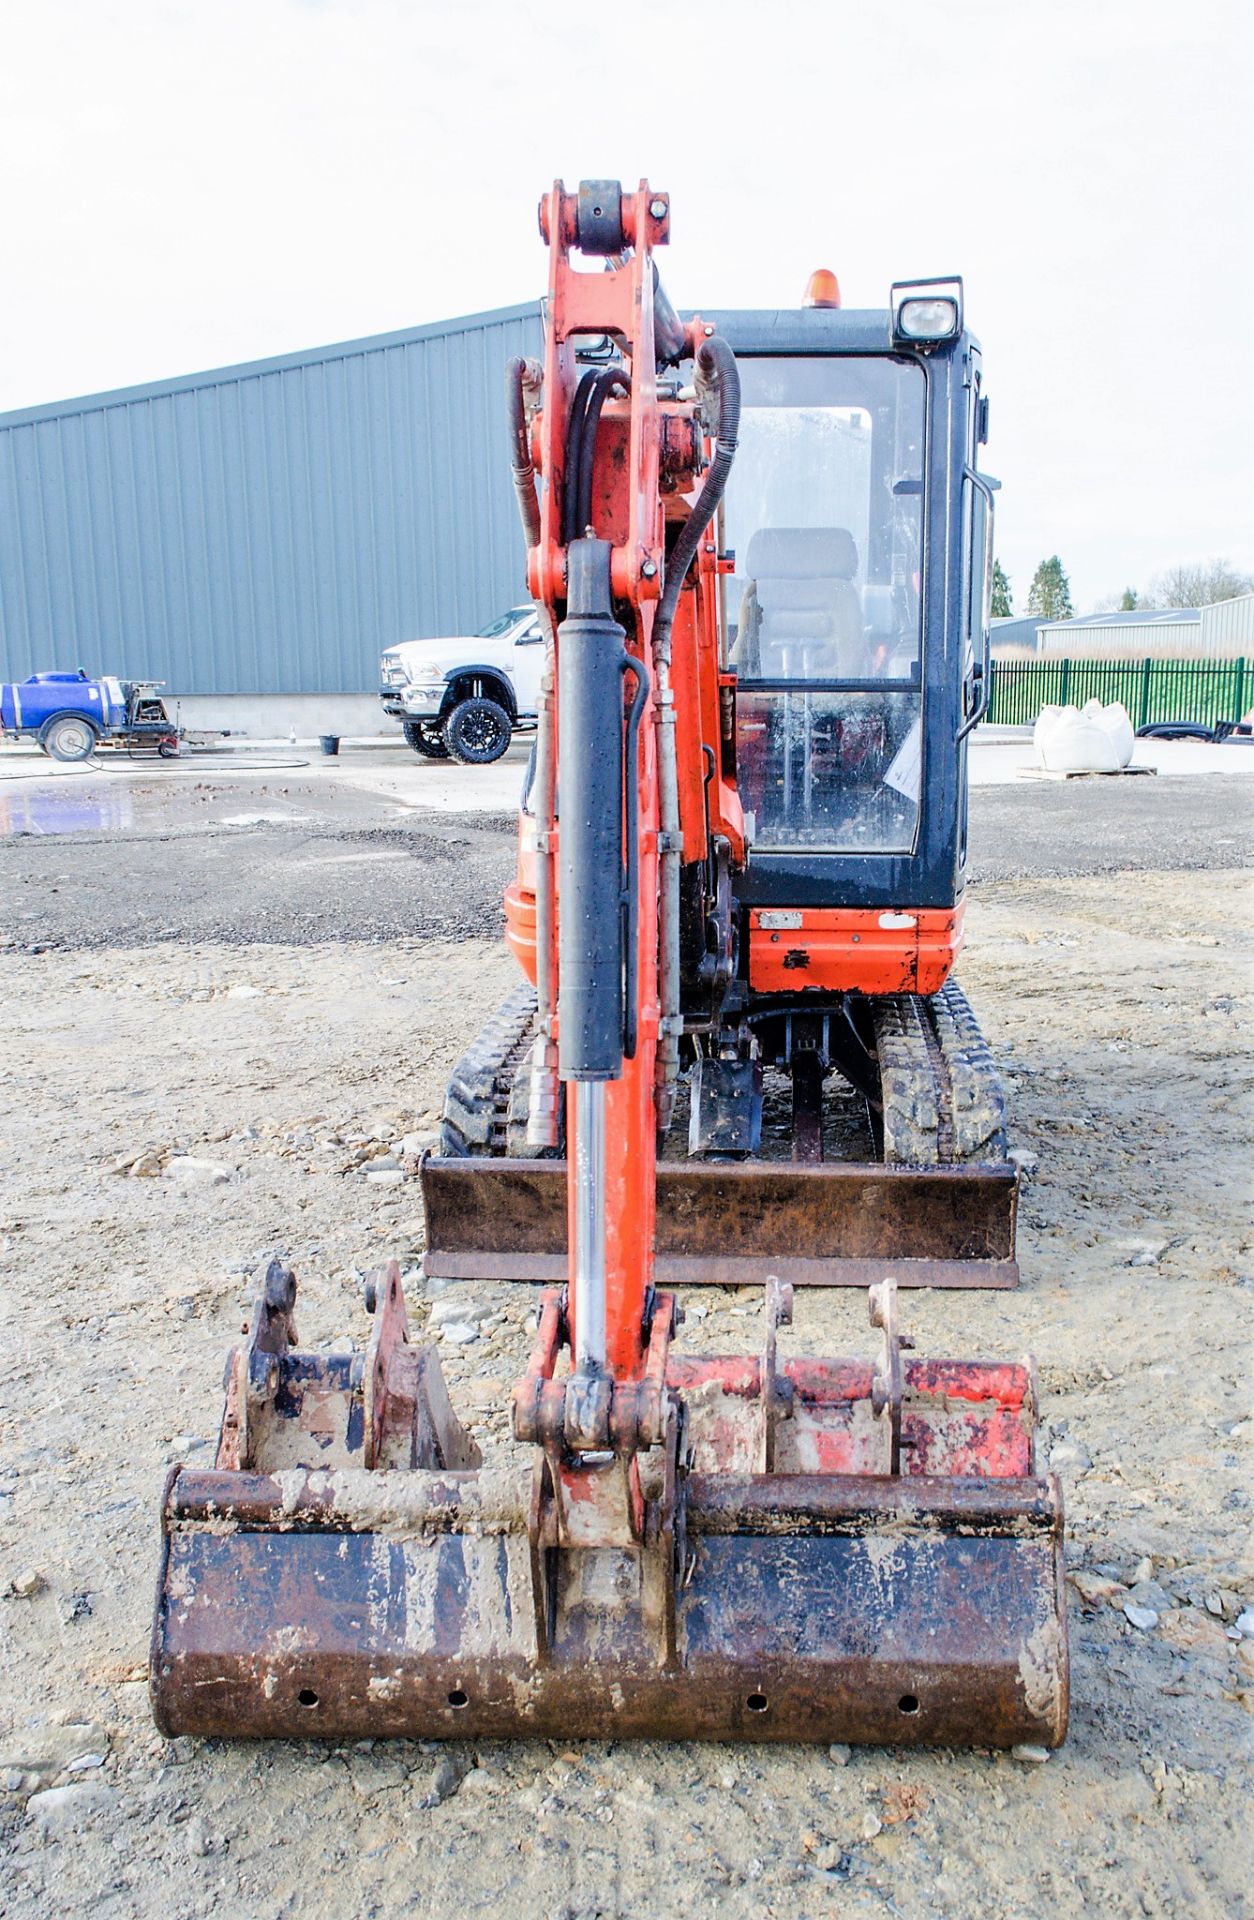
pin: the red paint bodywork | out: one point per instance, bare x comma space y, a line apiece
839, 949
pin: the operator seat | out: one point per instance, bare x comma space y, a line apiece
801, 618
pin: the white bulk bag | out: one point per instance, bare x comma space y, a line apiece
1092, 739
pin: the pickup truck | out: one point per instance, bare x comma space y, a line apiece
70, 714
465, 698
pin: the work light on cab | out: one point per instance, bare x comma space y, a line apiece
928, 319
925, 319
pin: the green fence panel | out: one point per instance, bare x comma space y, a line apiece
1201, 691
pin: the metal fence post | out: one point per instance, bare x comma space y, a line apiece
1239, 700
1146, 664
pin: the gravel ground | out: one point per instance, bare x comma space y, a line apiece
1045, 827
298, 862
1120, 1004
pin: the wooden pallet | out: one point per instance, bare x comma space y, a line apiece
1080, 773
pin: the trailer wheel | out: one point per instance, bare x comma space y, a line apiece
425, 739
69, 737
478, 732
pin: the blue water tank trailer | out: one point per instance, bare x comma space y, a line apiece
70, 714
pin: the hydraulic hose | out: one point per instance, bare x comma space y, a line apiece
669, 336
581, 432
716, 376
520, 374
542, 1118
571, 481
542, 1111
599, 393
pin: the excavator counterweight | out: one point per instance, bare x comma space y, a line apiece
759, 548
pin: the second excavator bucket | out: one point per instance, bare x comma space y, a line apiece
806, 1549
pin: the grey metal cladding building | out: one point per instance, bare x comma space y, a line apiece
266, 528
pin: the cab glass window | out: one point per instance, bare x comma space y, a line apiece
824, 511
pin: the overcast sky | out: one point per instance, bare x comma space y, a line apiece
188, 183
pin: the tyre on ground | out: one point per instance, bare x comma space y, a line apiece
69, 737
425, 739
478, 731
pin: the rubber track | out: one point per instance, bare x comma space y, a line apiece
476, 1102
943, 1100
911, 1115
978, 1098
942, 1093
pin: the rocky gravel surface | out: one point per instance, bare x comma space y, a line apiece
170, 1114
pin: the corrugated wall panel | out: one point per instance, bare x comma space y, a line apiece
1092, 641
1228, 627
266, 529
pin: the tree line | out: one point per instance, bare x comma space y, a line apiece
1196, 585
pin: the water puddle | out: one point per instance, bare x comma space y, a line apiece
69, 806
59, 811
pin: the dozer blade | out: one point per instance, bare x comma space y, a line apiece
726, 1223
818, 1550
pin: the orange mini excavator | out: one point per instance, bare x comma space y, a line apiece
762, 548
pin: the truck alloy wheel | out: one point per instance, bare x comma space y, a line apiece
69, 738
425, 739
477, 731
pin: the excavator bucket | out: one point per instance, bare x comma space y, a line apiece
809, 1549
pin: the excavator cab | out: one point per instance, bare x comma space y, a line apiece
856, 617
758, 548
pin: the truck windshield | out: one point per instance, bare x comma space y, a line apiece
503, 623
824, 511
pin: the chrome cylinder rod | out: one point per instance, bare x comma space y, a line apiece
589, 1173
